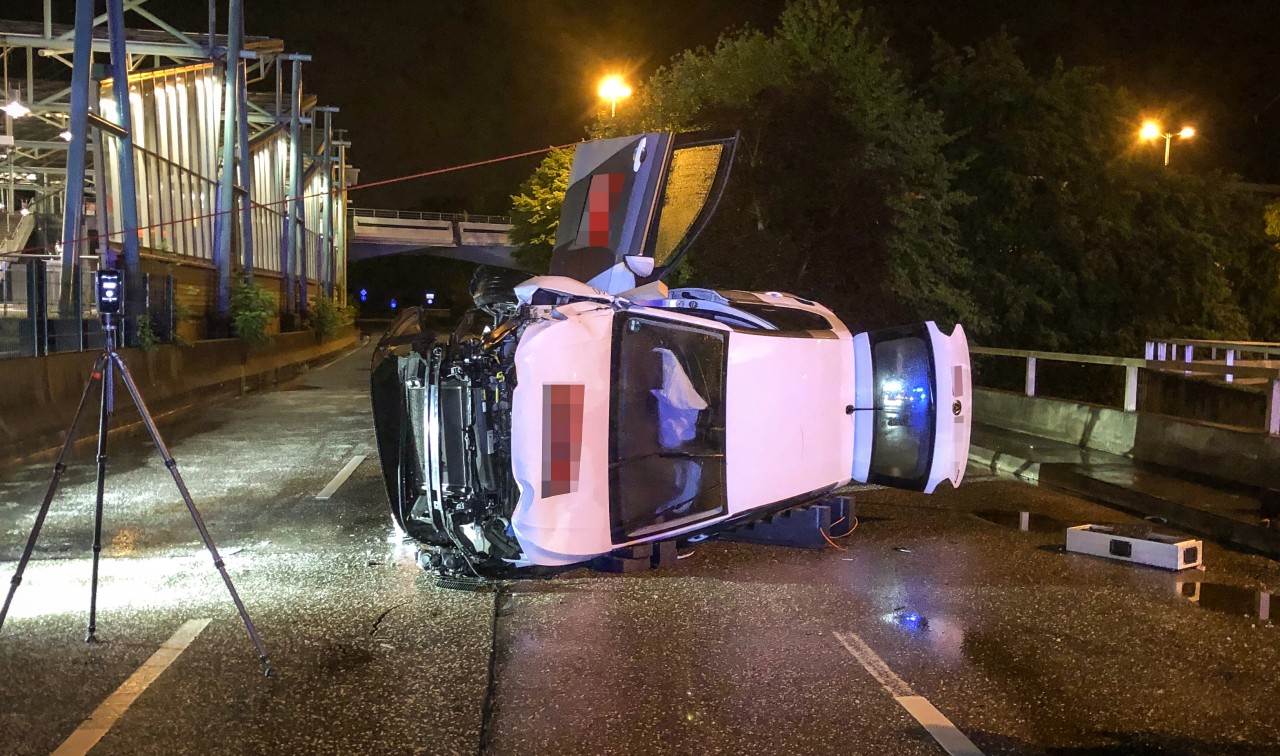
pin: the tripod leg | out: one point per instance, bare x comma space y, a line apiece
104, 414
169, 462
58, 468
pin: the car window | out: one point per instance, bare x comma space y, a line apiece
786, 318
905, 412
666, 425
689, 182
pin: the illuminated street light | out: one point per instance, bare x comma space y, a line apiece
613, 88
15, 109
1151, 131
65, 136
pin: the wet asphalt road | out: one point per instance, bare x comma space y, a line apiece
1026, 649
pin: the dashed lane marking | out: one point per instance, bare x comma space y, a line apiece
91, 731
934, 722
341, 477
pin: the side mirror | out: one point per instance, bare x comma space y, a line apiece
640, 265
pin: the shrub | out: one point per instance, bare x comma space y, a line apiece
181, 314
252, 307
147, 340
327, 317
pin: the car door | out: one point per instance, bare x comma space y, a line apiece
635, 204
913, 407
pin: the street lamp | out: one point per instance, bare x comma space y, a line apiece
1151, 131
613, 88
14, 108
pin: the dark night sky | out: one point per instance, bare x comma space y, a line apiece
424, 85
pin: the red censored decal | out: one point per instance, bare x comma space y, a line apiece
561, 437
606, 189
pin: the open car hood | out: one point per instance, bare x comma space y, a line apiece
635, 204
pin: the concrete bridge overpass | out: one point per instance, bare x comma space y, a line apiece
483, 239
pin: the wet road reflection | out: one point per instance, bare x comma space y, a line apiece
1227, 599
943, 634
1033, 522
1026, 649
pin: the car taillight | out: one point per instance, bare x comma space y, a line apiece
562, 407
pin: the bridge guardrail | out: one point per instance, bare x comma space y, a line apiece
361, 212
1132, 365
1184, 350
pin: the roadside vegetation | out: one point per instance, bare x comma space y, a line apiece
1017, 202
327, 318
252, 308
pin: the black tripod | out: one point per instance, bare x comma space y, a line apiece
104, 370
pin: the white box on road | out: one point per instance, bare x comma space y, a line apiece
1154, 549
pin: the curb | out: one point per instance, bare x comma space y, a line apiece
1062, 477
1005, 463
44, 442
1223, 529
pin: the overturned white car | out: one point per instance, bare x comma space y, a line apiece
573, 414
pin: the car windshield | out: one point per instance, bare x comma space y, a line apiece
666, 425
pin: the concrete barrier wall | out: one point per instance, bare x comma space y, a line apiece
40, 394
1087, 425
1233, 454
1242, 456
1202, 399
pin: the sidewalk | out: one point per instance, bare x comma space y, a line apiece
1224, 512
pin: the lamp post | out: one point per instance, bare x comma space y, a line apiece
613, 88
1152, 131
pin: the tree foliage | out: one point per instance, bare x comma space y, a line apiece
535, 210
1016, 202
1079, 238
252, 309
841, 190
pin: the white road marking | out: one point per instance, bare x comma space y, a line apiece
358, 346
934, 722
341, 477
91, 731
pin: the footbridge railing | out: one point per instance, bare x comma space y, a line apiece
1267, 376
361, 212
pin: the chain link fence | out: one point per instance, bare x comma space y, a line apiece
44, 312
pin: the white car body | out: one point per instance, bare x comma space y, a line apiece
788, 430
598, 410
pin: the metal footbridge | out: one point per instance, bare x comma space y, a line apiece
484, 239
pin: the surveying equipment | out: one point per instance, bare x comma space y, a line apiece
110, 291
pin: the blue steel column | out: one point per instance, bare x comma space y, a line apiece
290, 245
128, 188
246, 170
325, 274
213, 25
73, 208
224, 221
106, 257
340, 242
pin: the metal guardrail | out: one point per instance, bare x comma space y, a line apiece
38, 318
361, 212
1132, 365
1232, 352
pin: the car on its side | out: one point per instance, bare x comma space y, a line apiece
573, 414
